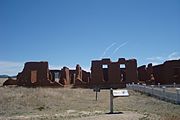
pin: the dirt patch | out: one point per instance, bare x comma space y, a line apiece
81, 115
125, 115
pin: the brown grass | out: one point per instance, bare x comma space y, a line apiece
66, 103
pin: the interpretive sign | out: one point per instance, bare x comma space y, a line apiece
120, 93
116, 93
96, 89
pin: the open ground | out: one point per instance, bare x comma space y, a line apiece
66, 103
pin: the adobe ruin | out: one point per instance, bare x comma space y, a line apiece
106, 74
166, 73
81, 77
38, 74
145, 74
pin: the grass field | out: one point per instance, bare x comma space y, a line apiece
65, 103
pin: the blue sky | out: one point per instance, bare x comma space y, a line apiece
67, 32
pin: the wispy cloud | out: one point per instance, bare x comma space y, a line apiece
155, 58
174, 56
10, 64
120, 46
160, 59
10, 67
107, 48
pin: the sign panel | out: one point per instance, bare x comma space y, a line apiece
120, 93
96, 89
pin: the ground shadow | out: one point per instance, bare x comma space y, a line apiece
115, 112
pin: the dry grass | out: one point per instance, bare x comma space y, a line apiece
66, 103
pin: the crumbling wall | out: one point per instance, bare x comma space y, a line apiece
72, 76
113, 75
96, 73
170, 71
149, 71
81, 77
142, 73
146, 74
131, 71
65, 78
78, 72
166, 73
177, 75
34, 73
86, 76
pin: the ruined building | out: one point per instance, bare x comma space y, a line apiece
145, 74
105, 73
38, 74
81, 77
166, 73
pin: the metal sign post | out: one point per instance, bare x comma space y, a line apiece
96, 95
96, 90
111, 100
